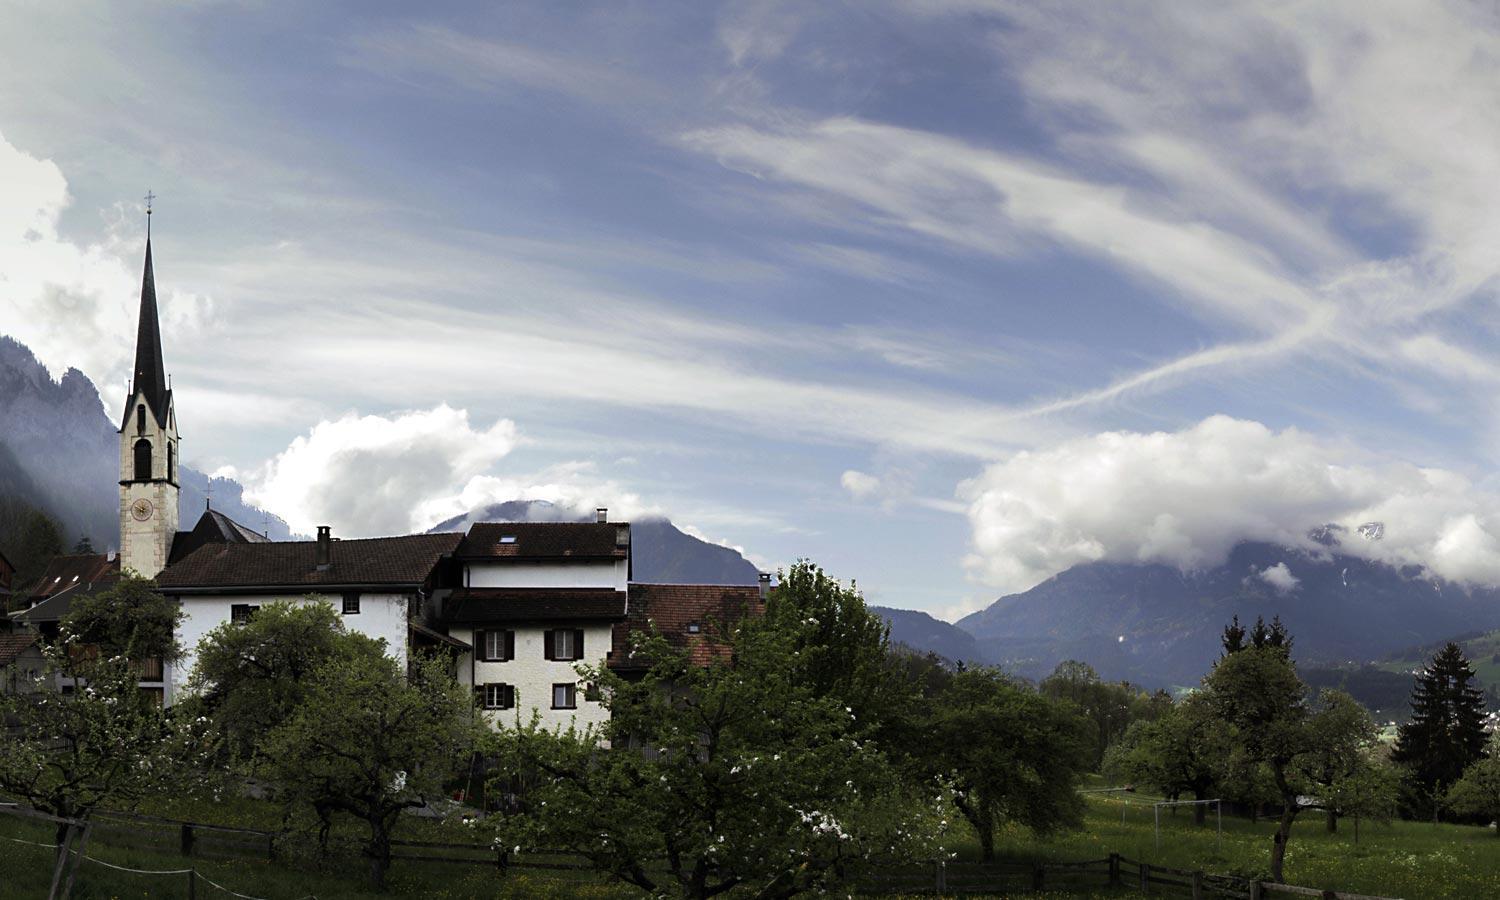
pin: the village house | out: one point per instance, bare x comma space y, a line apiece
515, 606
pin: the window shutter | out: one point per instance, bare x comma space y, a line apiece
510, 696
510, 645
547, 645
578, 643
480, 651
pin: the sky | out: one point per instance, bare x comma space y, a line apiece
946, 295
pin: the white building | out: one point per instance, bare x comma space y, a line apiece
518, 605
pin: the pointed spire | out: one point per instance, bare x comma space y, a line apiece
150, 369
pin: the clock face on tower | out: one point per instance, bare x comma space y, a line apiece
142, 509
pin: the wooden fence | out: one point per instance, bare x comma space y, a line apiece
948, 878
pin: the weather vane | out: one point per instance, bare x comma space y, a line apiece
150, 197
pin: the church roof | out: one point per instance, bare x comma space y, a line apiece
213, 528
481, 605
390, 561
546, 540
150, 370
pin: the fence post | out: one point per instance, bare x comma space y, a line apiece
1114, 870
502, 860
271, 846
942, 876
62, 860
192, 884
187, 839
1256, 891
1038, 877
1198, 885
1145, 878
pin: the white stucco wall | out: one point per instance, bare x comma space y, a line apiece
533, 675
564, 574
380, 616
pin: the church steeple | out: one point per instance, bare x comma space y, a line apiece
149, 450
150, 369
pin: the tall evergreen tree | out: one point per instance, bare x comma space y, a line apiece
1446, 731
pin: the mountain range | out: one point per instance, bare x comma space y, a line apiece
1159, 626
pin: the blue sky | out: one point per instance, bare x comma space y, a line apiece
946, 295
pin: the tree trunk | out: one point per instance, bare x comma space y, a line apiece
1333, 821
379, 851
986, 842
1278, 845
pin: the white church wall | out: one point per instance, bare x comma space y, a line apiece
380, 616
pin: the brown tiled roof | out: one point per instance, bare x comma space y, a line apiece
479, 605
68, 572
545, 540
13, 645
407, 560
671, 608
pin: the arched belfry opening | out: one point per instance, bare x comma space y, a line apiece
172, 463
142, 460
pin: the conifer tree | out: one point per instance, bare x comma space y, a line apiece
1446, 732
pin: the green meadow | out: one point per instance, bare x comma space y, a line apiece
1411, 860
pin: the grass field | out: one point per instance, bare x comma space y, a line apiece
1405, 859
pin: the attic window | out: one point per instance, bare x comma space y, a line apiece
694, 628
507, 539
57, 579
75, 577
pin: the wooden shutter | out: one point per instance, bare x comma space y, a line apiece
510, 696
547, 645
480, 652
510, 645
578, 643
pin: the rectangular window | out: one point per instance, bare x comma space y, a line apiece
351, 604
240, 613
499, 696
496, 646
564, 696
563, 644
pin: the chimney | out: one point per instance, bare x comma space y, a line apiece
325, 548
622, 535
765, 585
601, 515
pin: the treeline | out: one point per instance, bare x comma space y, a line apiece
1258, 736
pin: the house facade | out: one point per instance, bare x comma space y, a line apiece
535, 601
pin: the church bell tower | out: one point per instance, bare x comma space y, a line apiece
148, 447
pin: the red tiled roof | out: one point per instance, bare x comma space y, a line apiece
481, 605
13, 645
66, 572
406, 560
546, 540
671, 608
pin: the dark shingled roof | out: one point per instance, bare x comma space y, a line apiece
546, 540
213, 528
407, 560
66, 573
672, 607
475, 606
13, 645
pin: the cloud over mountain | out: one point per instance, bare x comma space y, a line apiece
1186, 498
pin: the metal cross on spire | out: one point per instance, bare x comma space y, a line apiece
150, 198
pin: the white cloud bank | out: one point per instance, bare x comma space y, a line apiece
1186, 498
382, 475
366, 475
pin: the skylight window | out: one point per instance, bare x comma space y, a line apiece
507, 539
